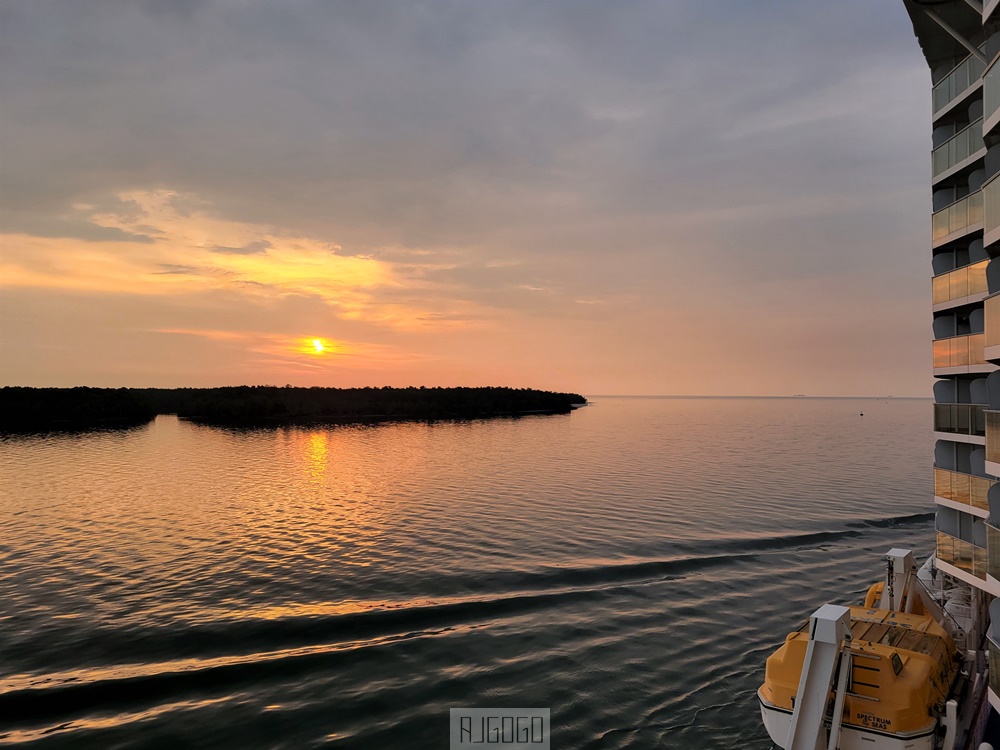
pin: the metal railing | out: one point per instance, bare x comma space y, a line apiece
958, 148
960, 283
960, 351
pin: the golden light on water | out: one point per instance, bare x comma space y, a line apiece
315, 451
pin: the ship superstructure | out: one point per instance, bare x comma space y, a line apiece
917, 665
960, 40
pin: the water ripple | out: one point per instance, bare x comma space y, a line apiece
630, 565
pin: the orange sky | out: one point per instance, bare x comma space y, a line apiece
556, 199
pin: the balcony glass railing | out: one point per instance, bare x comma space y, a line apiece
960, 351
963, 555
991, 91
960, 283
993, 436
957, 149
962, 488
991, 309
993, 553
961, 419
991, 205
959, 216
958, 80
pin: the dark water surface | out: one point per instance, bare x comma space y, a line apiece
630, 566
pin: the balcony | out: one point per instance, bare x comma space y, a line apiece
960, 351
963, 555
956, 83
960, 283
957, 149
962, 488
960, 419
960, 217
967, 73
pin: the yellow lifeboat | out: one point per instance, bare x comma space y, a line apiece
887, 680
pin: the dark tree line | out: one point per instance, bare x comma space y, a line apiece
40, 408
45, 408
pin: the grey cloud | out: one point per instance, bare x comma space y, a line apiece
127, 210
677, 137
54, 226
259, 247
180, 269
177, 269
182, 8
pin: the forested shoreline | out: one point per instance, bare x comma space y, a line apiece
34, 409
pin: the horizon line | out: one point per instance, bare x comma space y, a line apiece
403, 387
803, 395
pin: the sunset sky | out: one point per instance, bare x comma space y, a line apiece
662, 197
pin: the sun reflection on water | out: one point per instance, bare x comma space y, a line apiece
316, 451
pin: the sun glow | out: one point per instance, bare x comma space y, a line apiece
318, 347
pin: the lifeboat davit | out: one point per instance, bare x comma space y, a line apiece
882, 676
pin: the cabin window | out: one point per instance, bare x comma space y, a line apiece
897, 663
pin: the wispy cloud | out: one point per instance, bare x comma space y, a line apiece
258, 247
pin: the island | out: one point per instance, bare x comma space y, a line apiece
25, 409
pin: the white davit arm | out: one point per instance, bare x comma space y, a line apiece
838, 705
829, 628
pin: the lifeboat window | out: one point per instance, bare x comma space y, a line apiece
897, 663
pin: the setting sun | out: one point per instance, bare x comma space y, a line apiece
316, 350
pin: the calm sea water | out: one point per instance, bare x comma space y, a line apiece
630, 565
